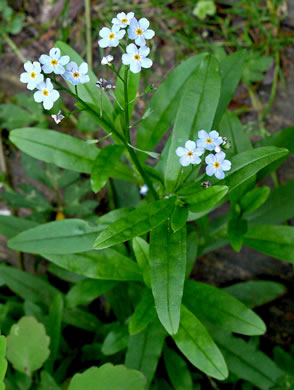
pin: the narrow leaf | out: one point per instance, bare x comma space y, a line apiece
205, 198
144, 313
178, 371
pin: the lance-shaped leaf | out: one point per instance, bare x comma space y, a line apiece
177, 369
231, 70
26, 353
107, 264
88, 92
3, 361
103, 167
164, 104
275, 241
62, 237
136, 223
10, 226
141, 251
116, 340
144, 313
196, 111
85, 291
253, 199
168, 253
246, 362
204, 198
195, 343
145, 348
224, 311
108, 377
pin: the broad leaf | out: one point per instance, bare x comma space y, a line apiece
196, 111
168, 255
195, 343
108, 377
136, 223
178, 371
107, 264
60, 237
256, 292
86, 291
246, 362
164, 104
10, 226
224, 311
275, 241
26, 353
145, 349
144, 313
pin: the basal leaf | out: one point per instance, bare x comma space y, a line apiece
168, 255
136, 223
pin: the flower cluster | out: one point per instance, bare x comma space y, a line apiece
53, 63
216, 163
137, 30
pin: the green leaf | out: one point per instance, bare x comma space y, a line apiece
103, 166
3, 361
237, 228
81, 319
54, 330
247, 164
164, 104
116, 340
27, 286
256, 292
205, 198
168, 255
108, 377
231, 127
282, 139
277, 209
192, 250
85, 291
107, 264
224, 311
54, 147
60, 237
231, 69
246, 362
10, 226
47, 382
253, 199
144, 350
141, 251
136, 223
179, 218
195, 343
275, 241
133, 85
178, 371
88, 92
26, 353
144, 313
284, 360
196, 111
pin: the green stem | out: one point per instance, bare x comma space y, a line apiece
14, 48
88, 32
126, 95
274, 86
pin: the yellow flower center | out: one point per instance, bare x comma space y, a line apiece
111, 36
190, 154
209, 141
136, 57
139, 31
76, 75
33, 75
54, 62
216, 164
124, 20
45, 92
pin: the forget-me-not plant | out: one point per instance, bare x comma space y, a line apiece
46, 94
54, 62
137, 58
76, 74
122, 19
139, 31
33, 75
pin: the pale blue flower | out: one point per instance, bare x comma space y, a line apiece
110, 37
189, 154
33, 75
209, 140
144, 189
122, 19
107, 60
138, 31
54, 62
46, 94
216, 165
76, 74
136, 58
